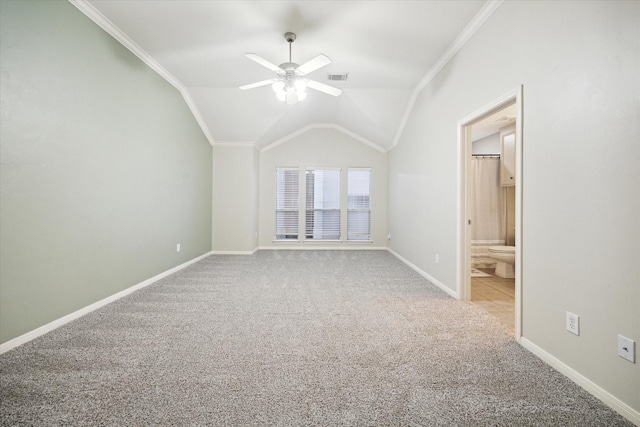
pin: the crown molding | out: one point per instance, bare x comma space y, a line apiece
471, 28
99, 19
313, 126
236, 144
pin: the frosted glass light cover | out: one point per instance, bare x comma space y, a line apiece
300, 85
292, 97
278, 86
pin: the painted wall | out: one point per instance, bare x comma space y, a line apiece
578, 63
487, 145
235, 198
324, 148
103, 168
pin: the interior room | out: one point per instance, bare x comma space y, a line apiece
259, 213
492, 211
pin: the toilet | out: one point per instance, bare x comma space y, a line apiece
505, 257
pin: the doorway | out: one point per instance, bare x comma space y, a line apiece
504, 117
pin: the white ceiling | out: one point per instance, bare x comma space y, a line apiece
494, 122
387, 47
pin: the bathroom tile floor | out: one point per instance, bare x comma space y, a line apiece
495, 295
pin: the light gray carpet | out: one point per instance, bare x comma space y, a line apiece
289, 338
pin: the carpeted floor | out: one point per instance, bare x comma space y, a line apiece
289, 338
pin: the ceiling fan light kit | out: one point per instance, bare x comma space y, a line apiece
291, 85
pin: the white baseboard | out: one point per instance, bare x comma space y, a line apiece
318, 247
424, 274
610, 400
11, 344
234, 252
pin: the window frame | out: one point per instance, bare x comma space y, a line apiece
286, 209
368, 210
309, 237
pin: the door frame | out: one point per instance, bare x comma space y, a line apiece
464, 186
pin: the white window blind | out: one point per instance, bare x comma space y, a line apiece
322, 204
287, 184
358, 204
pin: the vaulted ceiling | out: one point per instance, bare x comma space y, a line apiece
387, 47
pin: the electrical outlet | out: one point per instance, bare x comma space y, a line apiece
178, 248
389, 236
573, 323
437, 258
627, 348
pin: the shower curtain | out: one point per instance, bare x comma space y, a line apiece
487, 204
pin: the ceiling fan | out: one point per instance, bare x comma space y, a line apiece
290, 84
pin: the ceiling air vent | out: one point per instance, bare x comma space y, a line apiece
338, 77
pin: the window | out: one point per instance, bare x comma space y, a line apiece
358, 204
287, 183
323, 208
322, 216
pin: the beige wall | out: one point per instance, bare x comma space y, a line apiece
578, 63
235, 197
324, 148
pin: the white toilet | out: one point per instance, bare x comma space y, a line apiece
505, 257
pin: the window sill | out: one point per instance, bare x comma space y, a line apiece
320, 242
349, 242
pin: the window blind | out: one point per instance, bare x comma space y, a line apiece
359, 204
287, 184
322, 214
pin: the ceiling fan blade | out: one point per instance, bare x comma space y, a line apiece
257, 84
314, 64
260, 60
324, 88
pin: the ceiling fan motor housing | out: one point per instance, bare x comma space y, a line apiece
288, 66
291, 83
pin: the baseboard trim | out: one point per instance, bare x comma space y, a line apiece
424, 274
355, 247
234, 252
607, 398
22, 339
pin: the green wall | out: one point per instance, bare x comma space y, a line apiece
103, 168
